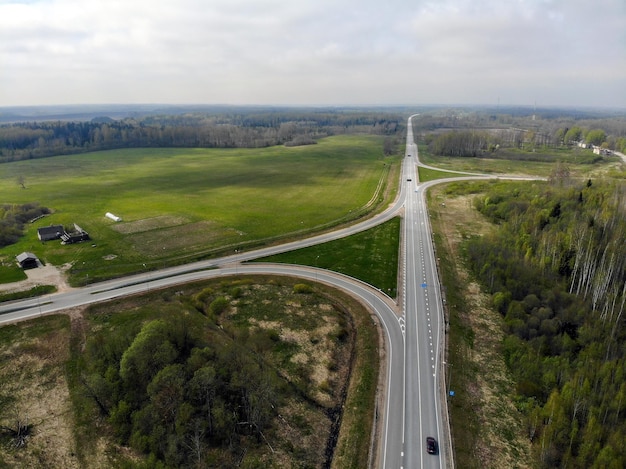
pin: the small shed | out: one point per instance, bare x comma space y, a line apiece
48, 233
27, 260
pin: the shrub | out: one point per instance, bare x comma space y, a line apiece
302, 288
219, 305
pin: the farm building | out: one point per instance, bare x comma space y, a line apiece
75, 236
601, 151
27, 260
48, 233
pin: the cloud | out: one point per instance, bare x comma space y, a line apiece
310, 52
529, 47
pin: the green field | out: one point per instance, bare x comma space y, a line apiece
371, 256
179, 205
581, 162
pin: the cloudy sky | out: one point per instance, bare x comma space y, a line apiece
313, 52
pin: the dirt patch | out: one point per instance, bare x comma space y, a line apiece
46, 275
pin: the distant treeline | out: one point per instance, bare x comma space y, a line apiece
19, 141
455, 134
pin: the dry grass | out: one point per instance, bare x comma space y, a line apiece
32, 372
317, 349
501, 442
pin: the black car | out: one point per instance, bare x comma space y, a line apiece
431, 445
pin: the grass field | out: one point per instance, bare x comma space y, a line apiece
582, 163
184, 204
371, 256
427, 174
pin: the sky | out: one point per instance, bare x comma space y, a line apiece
313, 52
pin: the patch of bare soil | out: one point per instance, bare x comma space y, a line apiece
46, 275
501, 443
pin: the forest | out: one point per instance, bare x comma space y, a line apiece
483, 134
252, 129
555, 269
487, 143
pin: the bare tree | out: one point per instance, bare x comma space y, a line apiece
560, 175
19, 430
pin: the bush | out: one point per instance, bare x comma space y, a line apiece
219, 305
302, 288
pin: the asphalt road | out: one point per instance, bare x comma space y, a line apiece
412, 408
423, 324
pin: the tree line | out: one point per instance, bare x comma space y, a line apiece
556, 270
27, 140
13, 217
463, 133
475, 143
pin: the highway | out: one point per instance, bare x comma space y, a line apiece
423, 324
413, 404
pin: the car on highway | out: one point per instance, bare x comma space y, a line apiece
431, 445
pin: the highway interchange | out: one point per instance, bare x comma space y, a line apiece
414, 403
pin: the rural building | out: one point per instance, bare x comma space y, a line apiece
48, 233
27, 260
75, 236
601, 151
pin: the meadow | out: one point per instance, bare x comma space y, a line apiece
534, 162
371, 256
179, 205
